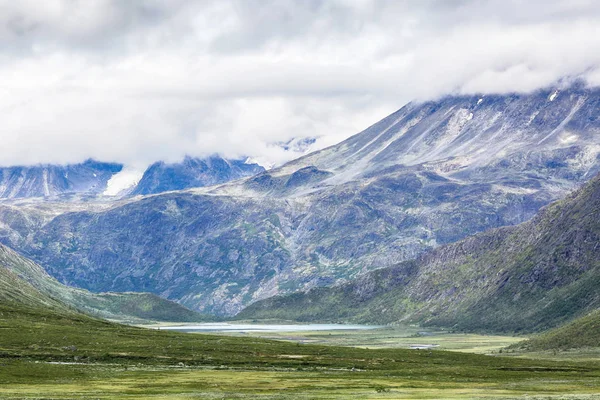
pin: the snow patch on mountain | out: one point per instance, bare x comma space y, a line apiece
121, 181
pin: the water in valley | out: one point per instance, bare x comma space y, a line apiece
243, 328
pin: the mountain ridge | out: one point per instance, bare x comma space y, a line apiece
93, 178
50, 180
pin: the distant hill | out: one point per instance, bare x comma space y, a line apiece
193, 172
530, 277
16, 290
26, 283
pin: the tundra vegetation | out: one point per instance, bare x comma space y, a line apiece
55, 353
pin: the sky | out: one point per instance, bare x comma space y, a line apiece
139, 81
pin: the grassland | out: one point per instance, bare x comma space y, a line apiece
45, 354
100, 382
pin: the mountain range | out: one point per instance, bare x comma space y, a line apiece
92, 178
429, 174
529, 277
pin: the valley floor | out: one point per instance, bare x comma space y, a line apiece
402, 337
57, 355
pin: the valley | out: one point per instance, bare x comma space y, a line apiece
530, 277
300, 200
47, 346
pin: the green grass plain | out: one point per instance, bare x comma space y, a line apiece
52, 355
112, 382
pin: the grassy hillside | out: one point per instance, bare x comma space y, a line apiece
584, 332
24, 281
16, 291
530, 277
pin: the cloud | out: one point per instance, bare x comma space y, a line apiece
140, 81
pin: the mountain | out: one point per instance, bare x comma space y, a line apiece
89, 177
583, 332
429, 174
26, 283
529, 277
193, 172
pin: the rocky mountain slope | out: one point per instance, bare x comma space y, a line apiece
26, 283
193, 172
89, 177
429, 174
533, 276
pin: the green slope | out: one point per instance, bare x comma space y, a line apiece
25, 282
584, 332
530, 277
16, 291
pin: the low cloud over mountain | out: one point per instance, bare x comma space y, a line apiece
139, 81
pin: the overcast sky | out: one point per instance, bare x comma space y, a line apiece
138, 81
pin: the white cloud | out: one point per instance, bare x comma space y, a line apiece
139, 81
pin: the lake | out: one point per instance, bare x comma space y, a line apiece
241, 328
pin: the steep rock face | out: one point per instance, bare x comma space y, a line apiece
532, 276
89, 177
193, 172
429, 174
